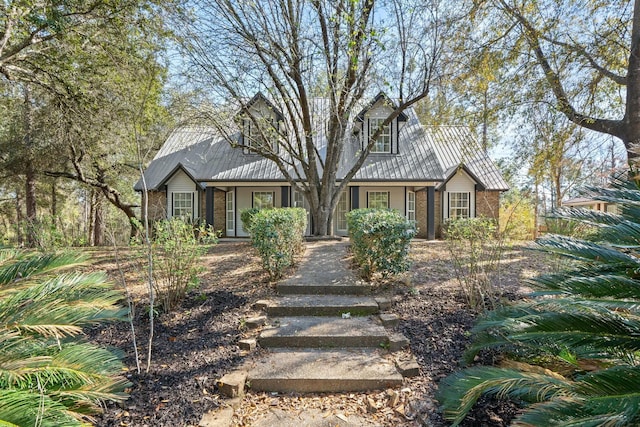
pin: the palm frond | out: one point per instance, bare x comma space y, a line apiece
61, 306
22, 267
26, 408
586, 251
460, 391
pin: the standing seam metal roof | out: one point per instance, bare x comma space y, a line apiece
425, 154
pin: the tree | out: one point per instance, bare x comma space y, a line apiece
293, 51
72, 62
571, 353
587, 55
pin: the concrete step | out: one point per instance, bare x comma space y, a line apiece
323, 371
323, 332
340, 288
321, 305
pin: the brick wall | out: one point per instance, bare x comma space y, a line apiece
157, 205
219, 211
488, 204
421, 213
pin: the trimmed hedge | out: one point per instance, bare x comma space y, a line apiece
278, 235
380, 240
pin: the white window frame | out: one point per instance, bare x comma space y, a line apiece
375, 197
383, 141
411, 206
182, 204
459, 204
230, 212
342, 208
259, 193
255, 139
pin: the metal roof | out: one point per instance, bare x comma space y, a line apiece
425, 154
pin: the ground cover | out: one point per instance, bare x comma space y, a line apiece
196, 345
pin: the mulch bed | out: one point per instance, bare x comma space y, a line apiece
194, 346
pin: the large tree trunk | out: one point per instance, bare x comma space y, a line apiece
30, 173
632, 112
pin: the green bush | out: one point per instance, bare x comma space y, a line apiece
176, 250
278, 235
50, 375
571, 353
475, 249
517, 215
246, 217
380, 240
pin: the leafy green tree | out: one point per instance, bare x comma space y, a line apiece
579, 57
571, 354
48, 376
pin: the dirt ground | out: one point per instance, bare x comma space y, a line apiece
194, 346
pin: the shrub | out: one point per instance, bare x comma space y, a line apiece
278, 235
246, 217
517, 215
475, 251
571, 353
380, 241
50, 377
176, 250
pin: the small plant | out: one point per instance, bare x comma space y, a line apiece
475, 248
278, 235
380, 241
176, 250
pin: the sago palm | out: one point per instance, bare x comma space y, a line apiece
572, 352
48, 376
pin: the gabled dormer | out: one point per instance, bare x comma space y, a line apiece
261, 124
372, 117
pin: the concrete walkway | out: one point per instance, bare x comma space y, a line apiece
324, 333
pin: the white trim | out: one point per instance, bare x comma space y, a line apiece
230, 197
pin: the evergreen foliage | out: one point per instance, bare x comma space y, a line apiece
278, 235
572, 352
48, 376
380, 241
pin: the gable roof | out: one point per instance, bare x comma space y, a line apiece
381, 96
425, 154
259, 97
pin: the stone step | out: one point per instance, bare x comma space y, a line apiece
347, 288
323, 332
321, 305
322, 371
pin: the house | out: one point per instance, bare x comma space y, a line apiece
429, 174
590, 203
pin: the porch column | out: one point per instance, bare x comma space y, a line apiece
431, 213
355, 197
208, 200
284, 196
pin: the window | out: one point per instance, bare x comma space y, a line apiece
383, 142
458, 205
411, 206
378, 199
342, 208
183, 205
264, 199
231, 220
255, 133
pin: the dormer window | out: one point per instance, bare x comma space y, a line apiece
261, 125
382, 143
259, 135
